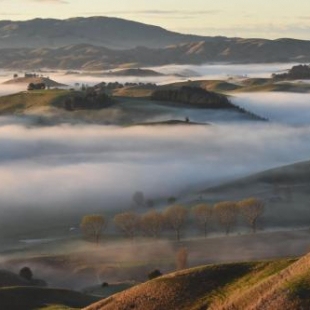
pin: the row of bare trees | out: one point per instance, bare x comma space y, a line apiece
175, 217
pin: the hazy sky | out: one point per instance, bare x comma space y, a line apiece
244, 18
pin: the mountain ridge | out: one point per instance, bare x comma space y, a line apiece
98, 43
97, 30
91, 57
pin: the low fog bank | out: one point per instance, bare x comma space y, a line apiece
174, 73
60, 165
280, 107
80, 264
224, 71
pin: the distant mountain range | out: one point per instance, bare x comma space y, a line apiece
98, 43
114, 33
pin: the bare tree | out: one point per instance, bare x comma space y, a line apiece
93, 225
251, 209
203, 213
128, 223
175, 217
226, 213
152, 223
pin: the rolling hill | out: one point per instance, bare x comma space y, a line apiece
268, 285
27, 80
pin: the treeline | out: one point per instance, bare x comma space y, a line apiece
193, 96
295, 73
176, 218
103, 86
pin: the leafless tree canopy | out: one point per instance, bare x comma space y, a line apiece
175, 217
128, 223
203, 213
93, 225
152, 223
226, 213
251, 209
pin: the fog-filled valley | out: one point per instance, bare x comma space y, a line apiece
84, 166
58, 165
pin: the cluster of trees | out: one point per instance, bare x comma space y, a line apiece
193, 96
89, 98
175, 218
139, 200
103, 86
295, 73
34, 86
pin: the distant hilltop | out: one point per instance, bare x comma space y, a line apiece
110, 32
33, 78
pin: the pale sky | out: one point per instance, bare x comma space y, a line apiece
242, 18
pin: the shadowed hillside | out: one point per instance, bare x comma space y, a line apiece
30, 298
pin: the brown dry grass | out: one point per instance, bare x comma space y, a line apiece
265, 285
22, 101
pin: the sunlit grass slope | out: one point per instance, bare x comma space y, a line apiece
280, 284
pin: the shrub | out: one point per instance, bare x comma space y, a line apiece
154, 274
26, 273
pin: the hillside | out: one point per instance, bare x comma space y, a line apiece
285, 191
27, 80
30, 298
63, 99
192, 96
85, 56
267, 285
294, 175
8, 278
102, 31
246, 85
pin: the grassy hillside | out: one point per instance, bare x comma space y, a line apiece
246, 85
30, 298
281, 284
27, 80
57, 98
22, 101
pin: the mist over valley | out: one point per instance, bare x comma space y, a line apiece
128, 156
